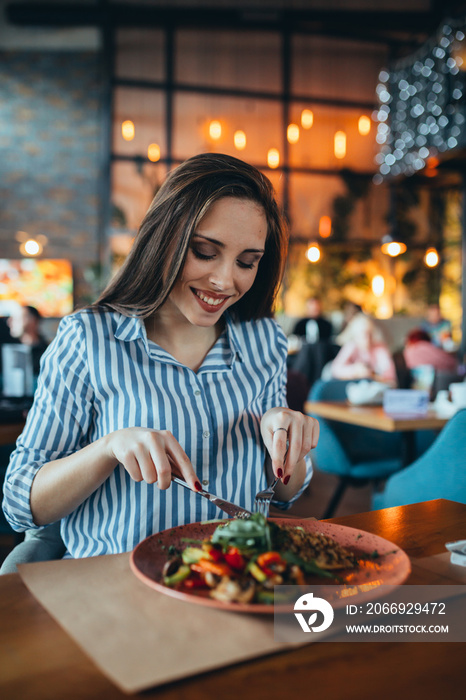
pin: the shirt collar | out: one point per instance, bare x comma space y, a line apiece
131, 328
232, 335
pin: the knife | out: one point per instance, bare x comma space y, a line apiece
230, 508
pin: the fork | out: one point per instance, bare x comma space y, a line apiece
263, 499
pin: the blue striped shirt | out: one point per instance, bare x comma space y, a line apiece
100, 374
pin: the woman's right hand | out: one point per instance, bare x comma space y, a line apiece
152, 456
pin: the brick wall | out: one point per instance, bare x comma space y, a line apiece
50, 153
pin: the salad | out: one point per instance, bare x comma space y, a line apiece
243, 560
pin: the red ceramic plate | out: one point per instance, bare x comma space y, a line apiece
390, 567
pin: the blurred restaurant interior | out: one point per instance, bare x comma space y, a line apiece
355, 110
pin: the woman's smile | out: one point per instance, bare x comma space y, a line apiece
209, 301
222, 261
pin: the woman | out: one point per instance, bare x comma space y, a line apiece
420, 350
177, 368
364, 353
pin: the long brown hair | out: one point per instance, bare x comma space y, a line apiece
158, 255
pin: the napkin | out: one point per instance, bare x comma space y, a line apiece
365, 392
137, 636
458, 552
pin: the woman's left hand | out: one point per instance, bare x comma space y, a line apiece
283, 429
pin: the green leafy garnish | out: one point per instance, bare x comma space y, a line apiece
244, 534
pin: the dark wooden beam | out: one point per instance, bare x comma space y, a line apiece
395, 27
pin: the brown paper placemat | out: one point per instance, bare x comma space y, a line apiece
137, 636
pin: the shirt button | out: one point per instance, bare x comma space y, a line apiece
197, 392
205, 482
206, 434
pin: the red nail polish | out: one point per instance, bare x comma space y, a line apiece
198, 486
286, 479
279, 473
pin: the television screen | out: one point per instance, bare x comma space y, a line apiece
45, 284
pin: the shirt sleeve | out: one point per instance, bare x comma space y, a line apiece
276, 396
57, 423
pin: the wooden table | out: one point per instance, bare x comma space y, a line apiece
39, 661
375, 417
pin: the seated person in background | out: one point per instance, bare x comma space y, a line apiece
420, 350
314, 327
438, 328
24, 325
5, 335
364, 353
350, 309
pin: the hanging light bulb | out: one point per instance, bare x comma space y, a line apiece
378, 285
153, 152
239, 140
273, 158
325, 226
127, 130
313, 253
215, 130
307, 118
292, 133
391, 246
364, 125
30, 246
431, 257
339, 144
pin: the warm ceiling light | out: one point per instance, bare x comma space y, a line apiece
432, 162
364, 125
273, 158
313, 253
325, 226
127, 130
30, 247
392, 247
215, 130
307, 118
153, 152
378, 285
239, 140
292, 133
431, 257
339, 144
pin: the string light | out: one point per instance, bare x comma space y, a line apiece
239, 139
431, 257
292, 133
339, 146
307, 118
313, 253
273, 158
127, 130
421, 112
215, 130
153, 152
